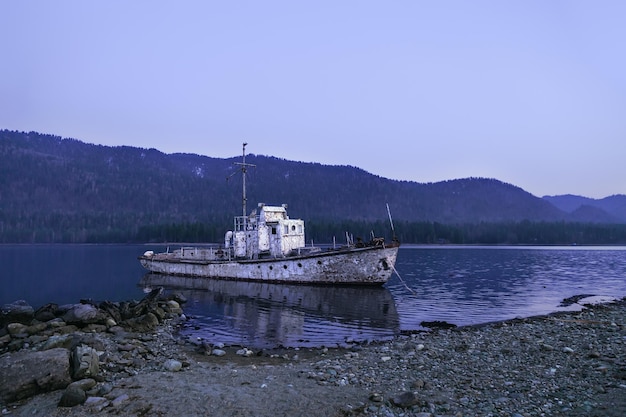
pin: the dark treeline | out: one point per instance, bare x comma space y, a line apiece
131, 228
515, 233
512, 233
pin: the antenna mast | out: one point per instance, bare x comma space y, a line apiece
244, 169
393, 231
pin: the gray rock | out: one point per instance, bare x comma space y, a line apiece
5, 340
66, 329
142, 324
148, 304
16, 329
245, 352
36, 328
47, 312
84, 384
55, 323
173, 307
376, 397
72, 397
24, 374
16, 312
85, 362
91, 401
64, 341
117, 330
419, 384
172, 365
112, 310
118, 401
406, 399
218, 352
105, 389
83, 314
97, 403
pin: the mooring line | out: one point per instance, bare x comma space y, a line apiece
401, 280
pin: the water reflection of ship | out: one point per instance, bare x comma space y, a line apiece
268, 315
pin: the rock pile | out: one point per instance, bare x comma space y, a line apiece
72, 347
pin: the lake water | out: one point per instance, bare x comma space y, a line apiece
460, 285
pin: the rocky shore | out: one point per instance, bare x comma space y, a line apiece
126, 359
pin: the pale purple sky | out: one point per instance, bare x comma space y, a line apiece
529, 92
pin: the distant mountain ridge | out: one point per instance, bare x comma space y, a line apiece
49, 184
613, 208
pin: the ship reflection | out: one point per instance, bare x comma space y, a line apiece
264, 315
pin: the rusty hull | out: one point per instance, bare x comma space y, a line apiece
365, 266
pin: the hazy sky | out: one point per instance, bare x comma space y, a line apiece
529, 92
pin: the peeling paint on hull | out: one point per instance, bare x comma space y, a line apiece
363, 266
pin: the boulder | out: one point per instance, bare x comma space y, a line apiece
26, 373
47, 312
142, 324
172, 365
72, 397
84, 314
124, 311
173, 307
17, 312
16, 329
85, 362
148, 304
112, 309
83, 384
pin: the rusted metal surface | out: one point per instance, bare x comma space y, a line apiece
369, 265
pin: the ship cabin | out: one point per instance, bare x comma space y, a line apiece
267, 232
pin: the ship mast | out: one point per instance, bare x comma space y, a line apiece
244, 169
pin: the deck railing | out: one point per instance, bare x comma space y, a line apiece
246, 223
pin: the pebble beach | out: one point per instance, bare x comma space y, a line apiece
565, 364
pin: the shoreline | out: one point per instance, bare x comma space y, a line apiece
565, 363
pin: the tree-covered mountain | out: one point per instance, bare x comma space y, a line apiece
64, 190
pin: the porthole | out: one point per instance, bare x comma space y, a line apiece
271, 267
319, 262
299, 264
285, 266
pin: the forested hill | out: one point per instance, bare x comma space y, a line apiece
608, 209
54, 189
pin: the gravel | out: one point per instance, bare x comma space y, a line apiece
566, 364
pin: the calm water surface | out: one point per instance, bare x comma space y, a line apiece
460, 285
